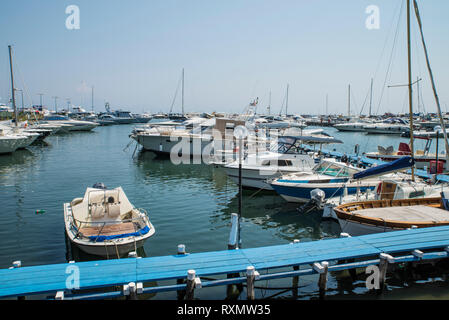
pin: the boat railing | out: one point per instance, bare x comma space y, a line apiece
138, 223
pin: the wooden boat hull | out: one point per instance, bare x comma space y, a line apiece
423, 212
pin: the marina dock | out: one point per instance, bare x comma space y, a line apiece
313, 257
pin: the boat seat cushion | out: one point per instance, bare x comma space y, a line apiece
97, 211
113, 210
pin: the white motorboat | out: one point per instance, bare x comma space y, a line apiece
286, 156
258, 168
165, 137
389, 126
68, 124
355, 126
105, 223
11, 142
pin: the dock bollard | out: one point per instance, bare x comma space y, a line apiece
323, 279
18, 264
181, 250
383, 266
132, 291
295, 279
190, 284
251, 276
352, 272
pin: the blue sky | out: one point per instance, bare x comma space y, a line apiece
133, 52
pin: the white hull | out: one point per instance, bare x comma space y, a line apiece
162, 144
358, 229
252, 178
88, 224
386, 130
10, 144
350, 127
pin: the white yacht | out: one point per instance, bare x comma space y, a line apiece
12, 139
68, 124
389, 126
354, 126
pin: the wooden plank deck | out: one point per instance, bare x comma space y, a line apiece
96, 274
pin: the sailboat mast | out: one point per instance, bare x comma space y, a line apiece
349, 100
286, 102
182, 103
269, 103
327, 104
429, 69
12, 87
410, 93
371, 97
92, 98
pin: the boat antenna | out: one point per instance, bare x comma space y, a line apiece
437, 100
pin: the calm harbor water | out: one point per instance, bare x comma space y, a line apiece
187, 204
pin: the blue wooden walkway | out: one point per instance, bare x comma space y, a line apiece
31, 280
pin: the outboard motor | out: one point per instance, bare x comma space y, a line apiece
99, 185
316, 201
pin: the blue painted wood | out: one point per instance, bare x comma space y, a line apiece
97, 274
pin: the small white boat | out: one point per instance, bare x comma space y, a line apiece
105, 223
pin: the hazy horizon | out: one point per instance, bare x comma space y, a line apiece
132, 53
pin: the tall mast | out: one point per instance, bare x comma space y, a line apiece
417, 93
371, 97
349, 100
410, 93
56, 105
92, 98
182, 103
12, 87
286, 102
327, 104
269, 103
429, 69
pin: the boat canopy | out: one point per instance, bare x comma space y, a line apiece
401, 163
318, 139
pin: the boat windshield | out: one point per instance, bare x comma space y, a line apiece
334, 170
56, 118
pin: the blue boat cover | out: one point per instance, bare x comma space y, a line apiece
118, 236
401, 163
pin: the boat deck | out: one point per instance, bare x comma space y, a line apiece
419, 213
109, 230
